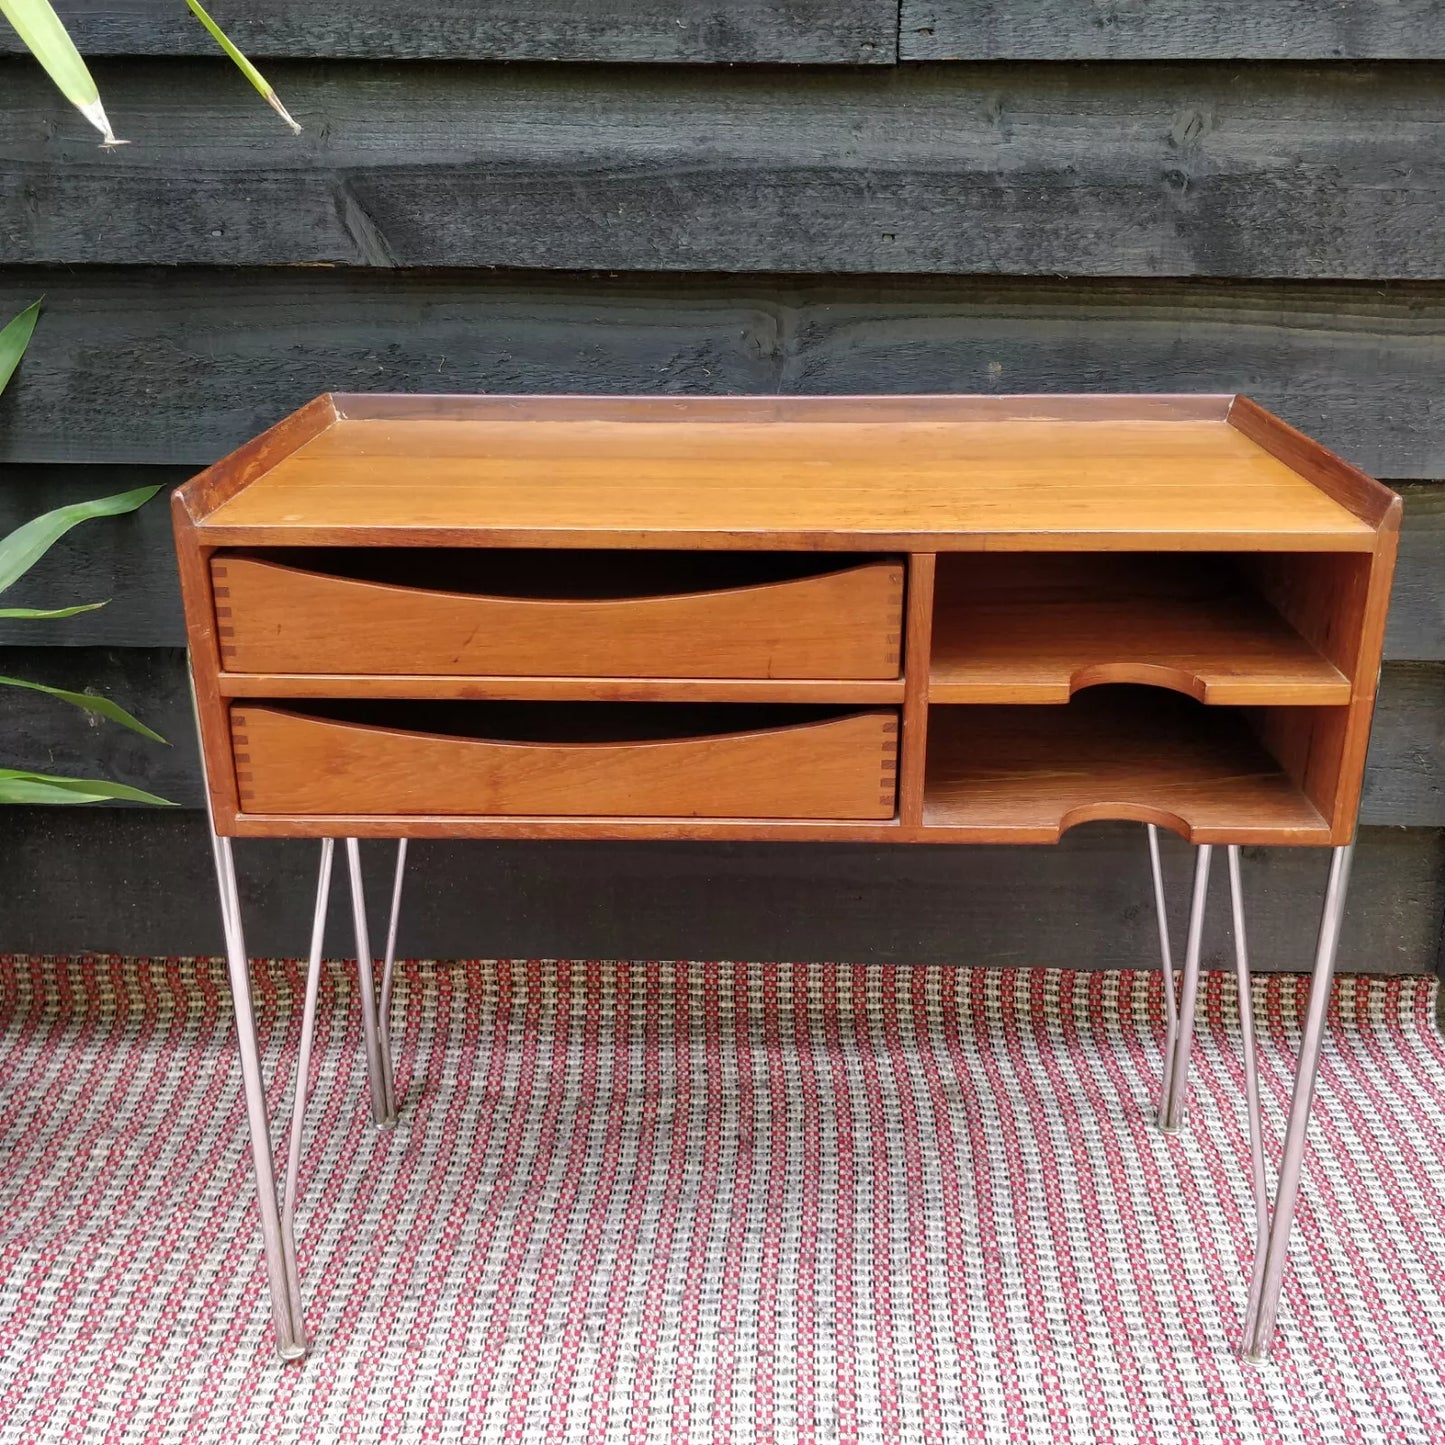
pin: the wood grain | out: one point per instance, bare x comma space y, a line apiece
239, 468
1366, 673
140, 881
210, 358
797, 32
719, 767
725, 483
128, 562
46, 735
203, 658
1405, 779
1348, 485
390, 477
532, 615
1103, 170
132, 561
1416, 625
918, 642
1405, 775
1026, 774
874, 692
1170, 30
1035, 629
1323, 598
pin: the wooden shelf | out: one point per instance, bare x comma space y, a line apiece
816, 473
1035, 629
1026, 774
863, 691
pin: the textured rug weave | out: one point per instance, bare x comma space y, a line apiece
643, 1202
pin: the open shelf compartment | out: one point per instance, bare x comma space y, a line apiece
1272, 629
1026, 774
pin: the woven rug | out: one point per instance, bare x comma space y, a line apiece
643, 1202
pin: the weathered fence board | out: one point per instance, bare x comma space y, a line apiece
1405, 779
713, 32
1405, 784
1171, 30
1089, 223
1104, 170
131, 559
776, 31
1417, 605
138, 881
138, 365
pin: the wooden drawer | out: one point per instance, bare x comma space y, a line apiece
596, 760
482, 613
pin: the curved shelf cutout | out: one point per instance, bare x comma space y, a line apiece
1128, 813
1116, 753
1146, 674
1040, 628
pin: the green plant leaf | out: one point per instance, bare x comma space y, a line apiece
42, 34
22, 787
36, 613
26, 545
244, 65
100, 706
15, 338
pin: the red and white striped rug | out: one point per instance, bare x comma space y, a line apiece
644, 1202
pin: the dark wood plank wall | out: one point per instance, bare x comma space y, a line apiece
760, 196
1110, 169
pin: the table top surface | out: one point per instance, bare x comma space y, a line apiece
856, 472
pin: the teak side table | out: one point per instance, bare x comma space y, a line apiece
886, 619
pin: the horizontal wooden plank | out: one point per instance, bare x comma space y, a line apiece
131, 560
136, 881
1405, 777
1404, 786
47, 735
817, 32
179, 367
1086, 170
1171, 30
1417, 608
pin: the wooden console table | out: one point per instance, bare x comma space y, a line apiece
892, 620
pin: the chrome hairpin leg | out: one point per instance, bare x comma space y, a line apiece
1166, 964
1181, 1024
278, 1227
388, 966
280, 1268
375, 1028
278, 1244
1251, 1064
1272, 1249
303, 1074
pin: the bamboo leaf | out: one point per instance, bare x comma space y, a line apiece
14, 339
27, 544
42, 34
244, 65
22, 787
33, 614
100, 706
